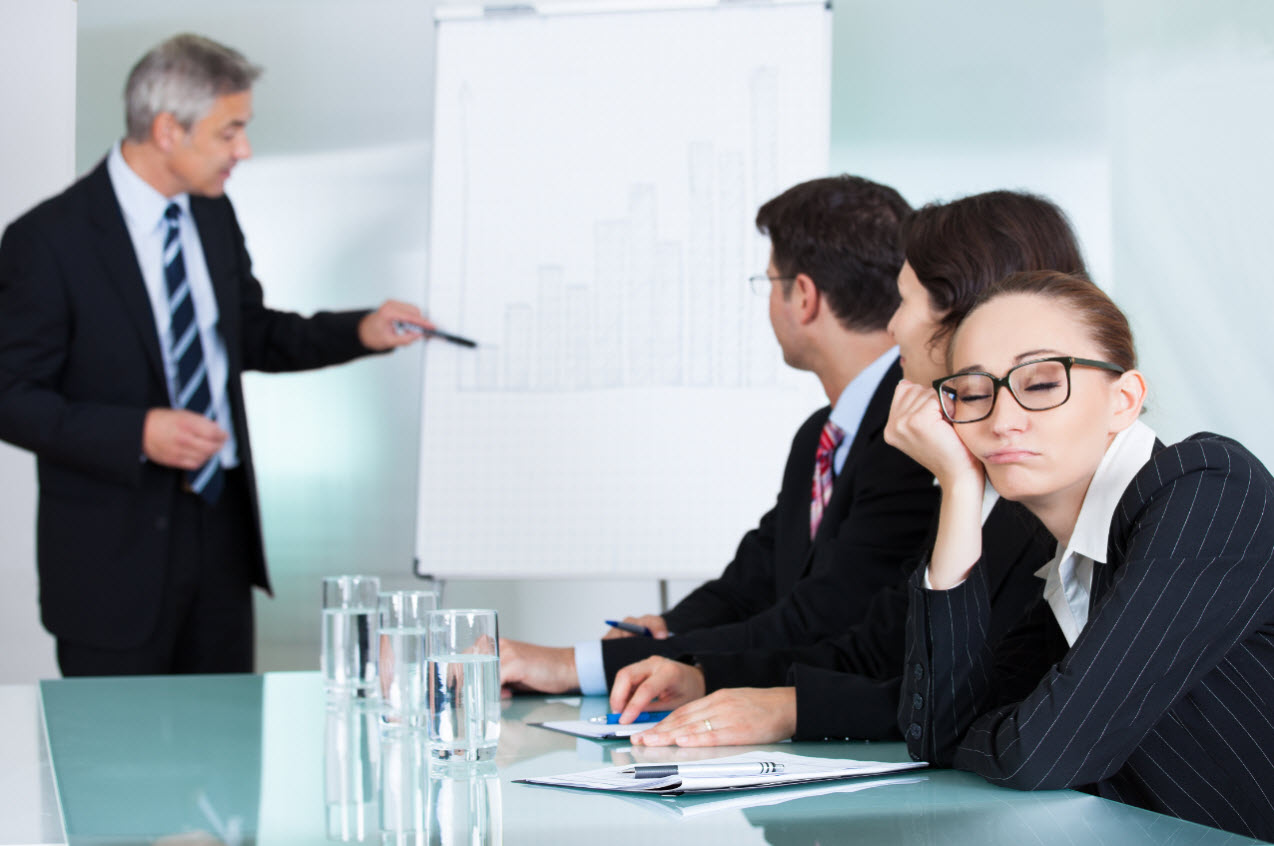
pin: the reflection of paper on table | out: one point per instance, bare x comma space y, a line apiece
594, 731
796, 769
694, 806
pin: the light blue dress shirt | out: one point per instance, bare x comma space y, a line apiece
847, 413
143, 209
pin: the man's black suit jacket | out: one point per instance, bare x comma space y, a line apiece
848, 687
80, 365
783, 589
1164, 699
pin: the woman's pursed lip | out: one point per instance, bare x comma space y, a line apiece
1007, 456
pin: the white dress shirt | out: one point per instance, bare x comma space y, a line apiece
143, 208
1068, 577
847, 413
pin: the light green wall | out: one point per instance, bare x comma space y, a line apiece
1148, 121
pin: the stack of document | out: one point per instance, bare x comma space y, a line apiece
736, 772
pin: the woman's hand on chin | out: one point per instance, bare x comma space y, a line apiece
916, 426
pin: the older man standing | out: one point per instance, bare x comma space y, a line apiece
128, 312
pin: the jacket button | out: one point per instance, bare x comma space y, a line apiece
918, 672
917, 702
914, 730
161, 523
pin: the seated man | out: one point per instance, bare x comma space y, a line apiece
852, 509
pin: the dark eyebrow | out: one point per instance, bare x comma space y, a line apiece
1034, 354
1019, 358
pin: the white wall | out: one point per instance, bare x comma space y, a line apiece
37, 156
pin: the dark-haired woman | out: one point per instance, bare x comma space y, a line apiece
1145, 672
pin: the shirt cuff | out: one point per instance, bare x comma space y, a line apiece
589, 668
928, 586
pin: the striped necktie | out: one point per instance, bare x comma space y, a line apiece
191, 387
828, 441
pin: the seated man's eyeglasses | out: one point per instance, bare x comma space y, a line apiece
1036, 386
760, 283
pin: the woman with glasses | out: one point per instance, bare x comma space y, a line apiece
1144, 672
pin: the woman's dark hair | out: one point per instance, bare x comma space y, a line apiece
958, 249
1106, 324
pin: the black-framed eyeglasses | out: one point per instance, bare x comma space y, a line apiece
1036, 386
760, 282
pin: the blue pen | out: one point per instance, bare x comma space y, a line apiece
631, 628
643, 717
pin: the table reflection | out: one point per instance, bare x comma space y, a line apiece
157, 759
351, 764
236, 761
466, 806
381, 786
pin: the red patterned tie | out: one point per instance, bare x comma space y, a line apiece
821, 491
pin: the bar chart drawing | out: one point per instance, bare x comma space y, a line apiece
593, 229
648, 321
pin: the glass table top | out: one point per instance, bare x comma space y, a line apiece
270, 760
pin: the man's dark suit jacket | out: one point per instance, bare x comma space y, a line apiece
1164, 699
783, 589
80, 365
848, 687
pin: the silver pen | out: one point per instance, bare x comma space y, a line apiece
742, 769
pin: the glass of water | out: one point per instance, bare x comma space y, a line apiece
464, 684
402, 656
350, 644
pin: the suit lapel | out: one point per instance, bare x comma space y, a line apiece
115, 247
1116, 541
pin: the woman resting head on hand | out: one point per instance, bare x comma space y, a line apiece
1144, 671
953, 251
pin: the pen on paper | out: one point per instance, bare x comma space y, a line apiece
404, 326
643, 717
742, 770
631, 628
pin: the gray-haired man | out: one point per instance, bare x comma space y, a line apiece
128, 312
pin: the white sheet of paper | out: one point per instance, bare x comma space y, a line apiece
698, 805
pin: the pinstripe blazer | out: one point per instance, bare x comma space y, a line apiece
1163, 701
